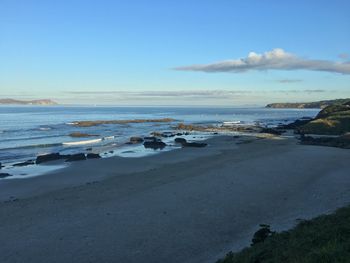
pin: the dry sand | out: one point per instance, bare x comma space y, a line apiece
187, 205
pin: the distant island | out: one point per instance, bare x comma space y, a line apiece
307, 105
28, 102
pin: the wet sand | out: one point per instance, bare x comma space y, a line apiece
186, 205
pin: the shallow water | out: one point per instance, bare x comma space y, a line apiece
27, 131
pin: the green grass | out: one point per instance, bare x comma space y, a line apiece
320, 240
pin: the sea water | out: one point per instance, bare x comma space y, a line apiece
28, 131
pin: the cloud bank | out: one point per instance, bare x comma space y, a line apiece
276, 59
289, 80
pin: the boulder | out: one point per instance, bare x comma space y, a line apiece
1, 166
48, 157
154, 145
135, 139
76, 157
29, 162
180, 140
184, 143
4, 175
93, 156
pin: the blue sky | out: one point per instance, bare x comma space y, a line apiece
126, 52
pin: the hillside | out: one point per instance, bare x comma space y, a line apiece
307, 105
322, 239
28, 102
332, 120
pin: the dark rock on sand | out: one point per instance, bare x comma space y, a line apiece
93, 156
272, 131
190, 144
4, 175
156, 144
48, 157
1, 166
29, 162
180, 140
76, 157
135, 139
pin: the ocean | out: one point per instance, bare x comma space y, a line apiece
28, 131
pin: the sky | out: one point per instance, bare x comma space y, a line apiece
163, 52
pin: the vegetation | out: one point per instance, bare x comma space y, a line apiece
332, 120
308, 105
339, 141
320, 240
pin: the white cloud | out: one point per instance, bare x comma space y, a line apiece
276, 59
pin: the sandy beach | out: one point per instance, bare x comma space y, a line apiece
187, 205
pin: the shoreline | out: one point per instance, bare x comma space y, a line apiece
123, 149
186, 205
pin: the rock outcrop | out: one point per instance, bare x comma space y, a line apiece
48, 158
100, 122
76, 157
80, 135
29, 162
4, 175
136, 139
153, 143
93, 156
184, 143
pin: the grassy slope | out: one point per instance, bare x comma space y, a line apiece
305, 105
320, 240
332, 120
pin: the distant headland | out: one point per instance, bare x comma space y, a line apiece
307, 105
28, 102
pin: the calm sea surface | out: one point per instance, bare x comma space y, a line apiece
27, 131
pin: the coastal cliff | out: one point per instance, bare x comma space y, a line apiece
307, 105
27, 102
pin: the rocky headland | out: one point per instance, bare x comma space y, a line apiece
306, 105
27, 102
